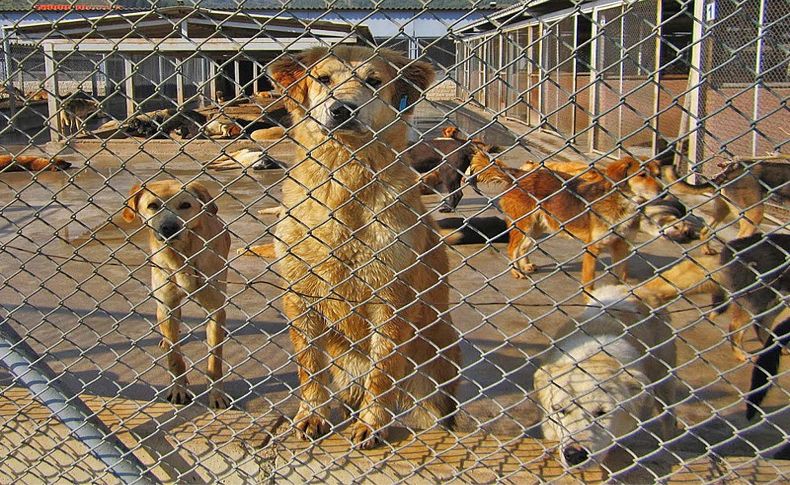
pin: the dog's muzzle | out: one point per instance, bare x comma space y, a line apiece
168, 230
341, 117
575, 455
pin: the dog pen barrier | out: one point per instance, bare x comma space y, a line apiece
188, 92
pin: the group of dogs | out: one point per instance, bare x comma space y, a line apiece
366, 270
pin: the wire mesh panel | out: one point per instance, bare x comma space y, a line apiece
399, 242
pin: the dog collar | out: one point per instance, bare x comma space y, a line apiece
404, 102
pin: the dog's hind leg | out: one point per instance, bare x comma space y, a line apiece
619, 250
169, 323
451, 178
212, 300
720, 211
589, 260
749, 223
739, 319
521, 242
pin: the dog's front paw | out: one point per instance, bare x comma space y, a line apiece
707, 250
521, 271
739, 354
311, 427
179, 395
218, 400
365, 438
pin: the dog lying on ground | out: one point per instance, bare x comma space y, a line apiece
744, 190
30, 163
245, 158
606, 375
766, 367
189, 248
444, 161
74, 111
356, 248
476, 230
593, 210
165, 123
222, 127
753, 272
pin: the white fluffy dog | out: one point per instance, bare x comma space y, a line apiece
606, 376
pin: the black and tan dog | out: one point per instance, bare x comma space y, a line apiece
744, 188
443, 161
189, 248
766, 367
165, 123
601, 211
750, 279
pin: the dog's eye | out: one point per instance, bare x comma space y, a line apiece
184, 206
154, 206
599, 413
373, 82
325, 80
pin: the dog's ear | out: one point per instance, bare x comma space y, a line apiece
414, 77
654, 167
288, 73
619, 170
451, 132
201, 192
129, 212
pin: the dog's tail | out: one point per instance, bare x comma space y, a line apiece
690, 277
766, 367
483, 169
677, 185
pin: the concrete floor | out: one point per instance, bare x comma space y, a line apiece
82, 300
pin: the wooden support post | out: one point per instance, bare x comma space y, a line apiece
51, 85
212, 73
128, 70
236, 77
180, 82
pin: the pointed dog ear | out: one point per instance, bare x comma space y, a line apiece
414, 77
618, 170
129, 212
201, 192
289, 74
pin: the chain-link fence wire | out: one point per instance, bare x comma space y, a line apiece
212, 338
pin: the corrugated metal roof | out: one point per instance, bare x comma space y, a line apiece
322, 5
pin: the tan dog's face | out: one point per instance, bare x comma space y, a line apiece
589, 406
350, 92
642, 181
171, 210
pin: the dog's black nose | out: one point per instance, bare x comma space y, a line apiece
169, 229
575, 455
341, 111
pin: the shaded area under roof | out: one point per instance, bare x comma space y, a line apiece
188, 24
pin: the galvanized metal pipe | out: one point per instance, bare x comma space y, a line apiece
28, 369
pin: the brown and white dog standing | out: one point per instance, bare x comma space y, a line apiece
601, 211
189, 250
367, 296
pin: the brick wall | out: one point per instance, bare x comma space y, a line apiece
443, 91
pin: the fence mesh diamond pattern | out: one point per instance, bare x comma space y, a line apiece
409, 242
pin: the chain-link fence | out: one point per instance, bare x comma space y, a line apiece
394, 241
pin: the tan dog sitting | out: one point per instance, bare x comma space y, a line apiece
189, 249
